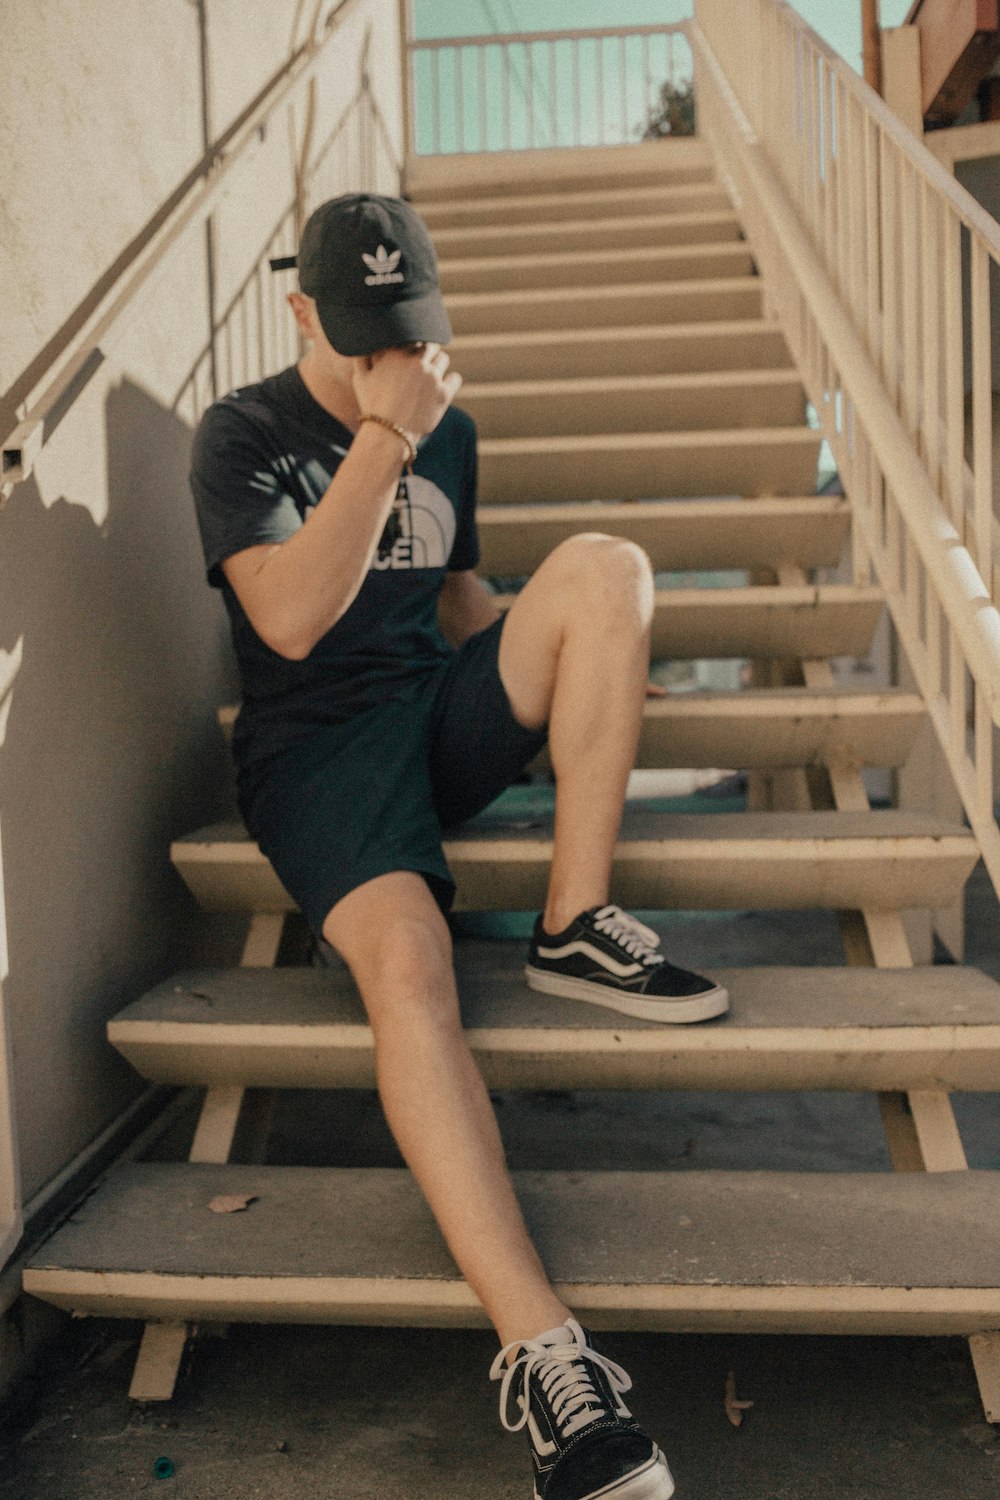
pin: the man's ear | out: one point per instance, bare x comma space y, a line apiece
304, 313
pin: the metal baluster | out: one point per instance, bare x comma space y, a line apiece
506, 96
436, 75
483, 111
623, 86
529, 75
646, 80
245, 341
271, 327
261, 370
553, 93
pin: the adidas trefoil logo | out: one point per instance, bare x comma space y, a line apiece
383, 267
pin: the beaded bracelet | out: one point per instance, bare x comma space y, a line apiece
411, 452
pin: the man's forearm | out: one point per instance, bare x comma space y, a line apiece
295, 592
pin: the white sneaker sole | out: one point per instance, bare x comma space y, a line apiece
652, 1482
703, 1007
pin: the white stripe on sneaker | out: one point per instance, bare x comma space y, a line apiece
623, 971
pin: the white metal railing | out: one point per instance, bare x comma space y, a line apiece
520, 90
862, 236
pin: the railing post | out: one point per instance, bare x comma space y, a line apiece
406, 78
901, 76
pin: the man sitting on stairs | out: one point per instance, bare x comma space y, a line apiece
336, 502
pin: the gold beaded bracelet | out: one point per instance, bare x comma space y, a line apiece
411, 452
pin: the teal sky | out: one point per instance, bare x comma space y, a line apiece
838, 21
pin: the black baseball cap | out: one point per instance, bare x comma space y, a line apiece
369, 264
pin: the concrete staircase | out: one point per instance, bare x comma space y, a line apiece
625, 377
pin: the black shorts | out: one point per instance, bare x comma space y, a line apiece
373, 795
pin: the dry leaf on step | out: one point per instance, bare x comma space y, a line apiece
232, 1203
734, 1408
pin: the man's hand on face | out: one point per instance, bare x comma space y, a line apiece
410, 386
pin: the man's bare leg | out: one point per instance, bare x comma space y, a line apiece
396, 942
575, 652
577, 657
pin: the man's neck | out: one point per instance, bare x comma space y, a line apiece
330, 390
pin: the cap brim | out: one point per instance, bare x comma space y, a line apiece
364, 330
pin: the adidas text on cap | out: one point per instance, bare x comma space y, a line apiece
369, 264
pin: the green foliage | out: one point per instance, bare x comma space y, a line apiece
673, 113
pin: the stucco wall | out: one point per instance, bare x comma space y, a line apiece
110, 746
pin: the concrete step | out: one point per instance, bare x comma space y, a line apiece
630, 229
501, 174
788, 1028
783, 727
562, 268
879, 861
635, 403
643, 349
677, 534
582, 206
772, 1252
760, 728
655, 465
711, 300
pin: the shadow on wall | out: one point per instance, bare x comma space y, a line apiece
112, 749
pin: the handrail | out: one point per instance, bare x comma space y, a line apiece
859, 235
71, 371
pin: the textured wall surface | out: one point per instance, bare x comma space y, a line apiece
110, 746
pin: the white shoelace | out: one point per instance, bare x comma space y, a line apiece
639, 942
564, 1378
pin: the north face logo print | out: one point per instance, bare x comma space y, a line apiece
426, 528
382, 266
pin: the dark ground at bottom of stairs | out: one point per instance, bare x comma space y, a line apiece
271, 1413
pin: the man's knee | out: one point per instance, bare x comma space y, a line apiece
404, 963
609, 573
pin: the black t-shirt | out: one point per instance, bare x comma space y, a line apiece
263, 459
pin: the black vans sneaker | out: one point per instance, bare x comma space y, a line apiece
609, 958
585, 1442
